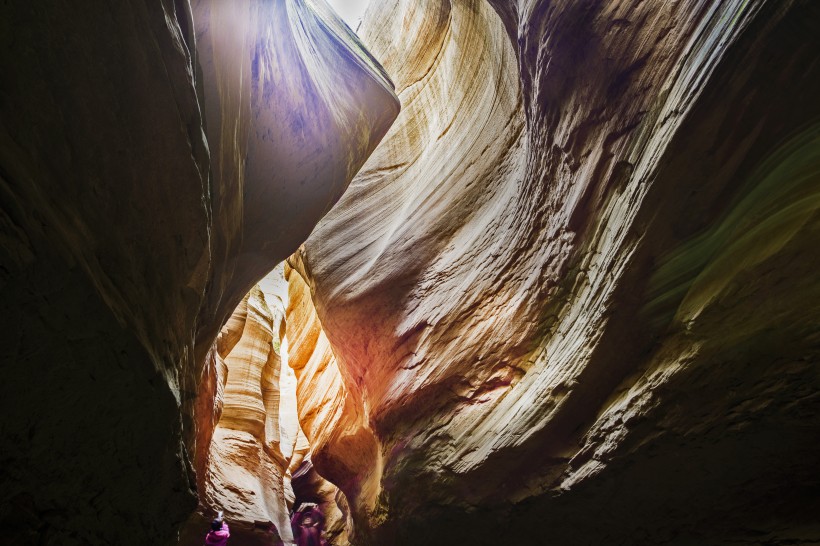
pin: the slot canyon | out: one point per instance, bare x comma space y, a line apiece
486, 272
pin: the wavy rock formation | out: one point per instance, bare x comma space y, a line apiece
571, 294
571, 298
294, 105
330, 415
156, 160
257, 448
246, 472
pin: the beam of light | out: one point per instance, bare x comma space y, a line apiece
350, 10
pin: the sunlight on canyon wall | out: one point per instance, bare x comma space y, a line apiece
551, 271
156, 161
546, 275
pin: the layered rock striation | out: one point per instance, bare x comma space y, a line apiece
330, 414
571, 294
156, 160
570, 298
246, 474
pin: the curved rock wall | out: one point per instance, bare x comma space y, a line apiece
571, 298
102, 189
258, 467
342, 445
156, 160
294, 105
246, 468
574, 281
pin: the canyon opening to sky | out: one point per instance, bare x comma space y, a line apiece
351, 11
481, 271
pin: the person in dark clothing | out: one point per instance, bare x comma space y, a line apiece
307, 524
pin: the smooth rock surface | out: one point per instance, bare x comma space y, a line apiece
342, 445
573, 290
571, 298
247, 469
156, 160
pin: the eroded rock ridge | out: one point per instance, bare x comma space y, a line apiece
570, 298
157, 159
572, 291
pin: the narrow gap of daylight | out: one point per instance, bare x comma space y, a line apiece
350, 10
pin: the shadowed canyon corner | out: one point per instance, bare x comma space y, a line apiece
487, 272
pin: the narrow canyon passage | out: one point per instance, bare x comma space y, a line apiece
482, 271
258, 468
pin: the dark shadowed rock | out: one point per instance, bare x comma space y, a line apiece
129, 236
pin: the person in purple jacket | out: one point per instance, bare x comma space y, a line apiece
307, 524
219, 533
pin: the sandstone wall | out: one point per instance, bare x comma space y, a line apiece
245, 470
342, 445
572, 290
309, 486
571, 298
156, 160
